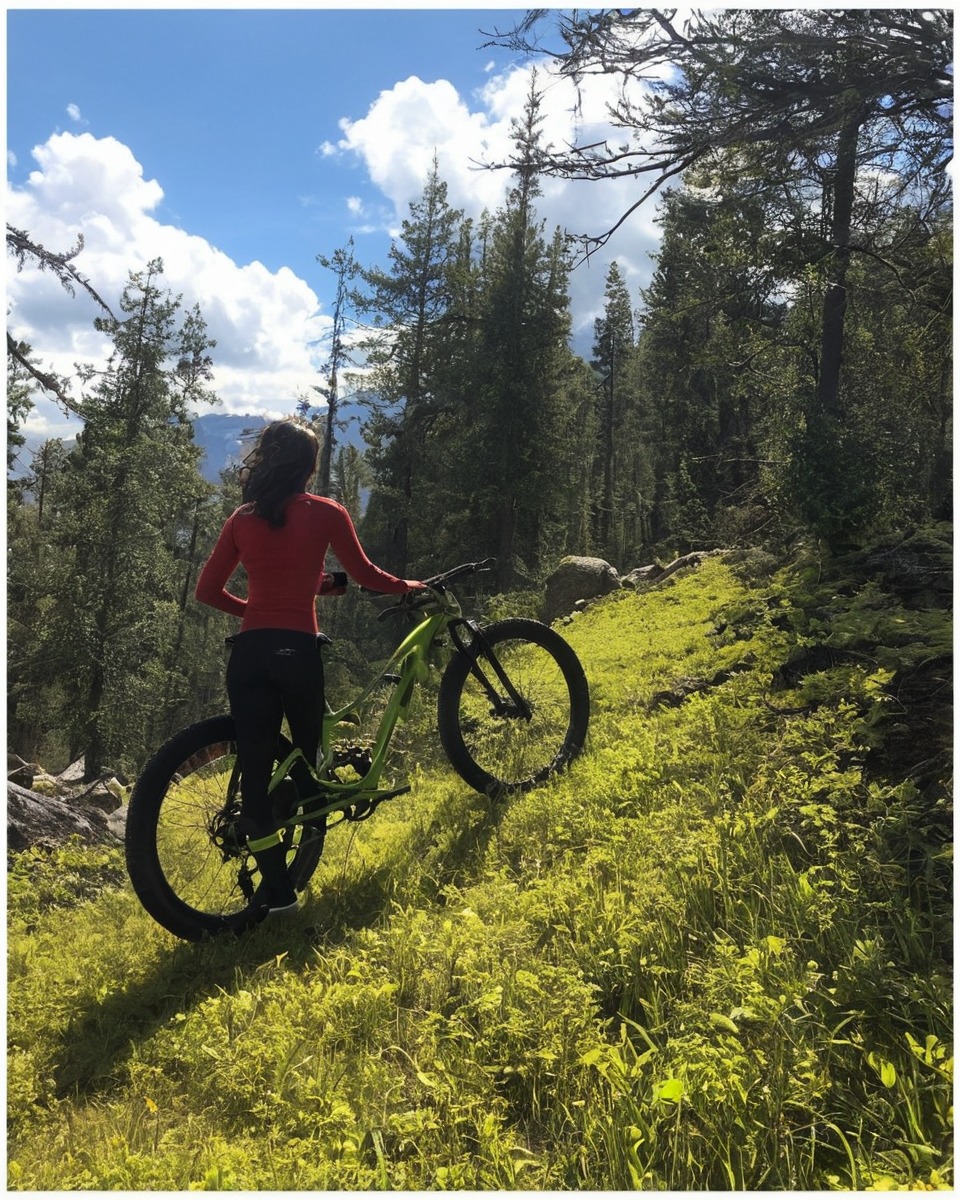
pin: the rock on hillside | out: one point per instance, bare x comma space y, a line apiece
47, 810
579, 579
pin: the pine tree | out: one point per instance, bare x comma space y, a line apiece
344, 267
617, 433
45, 466
412, 355
707, 357
519, 447
20, 387
813, 106
120, 503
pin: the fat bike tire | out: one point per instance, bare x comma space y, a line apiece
188, 866
495, 748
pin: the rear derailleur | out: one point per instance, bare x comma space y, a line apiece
224, 830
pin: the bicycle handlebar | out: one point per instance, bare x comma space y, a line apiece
439, 581
436, 583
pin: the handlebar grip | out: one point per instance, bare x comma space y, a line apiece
446, 577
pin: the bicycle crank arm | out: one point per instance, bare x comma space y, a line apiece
369, 802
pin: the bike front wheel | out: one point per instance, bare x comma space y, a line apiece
186, 858
513, 707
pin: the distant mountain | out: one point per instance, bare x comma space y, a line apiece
225, 440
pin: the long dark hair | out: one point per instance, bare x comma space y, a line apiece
283, 461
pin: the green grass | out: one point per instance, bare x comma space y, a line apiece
711, 956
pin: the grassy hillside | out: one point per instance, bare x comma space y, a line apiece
713, 955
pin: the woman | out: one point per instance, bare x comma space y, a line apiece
280, 535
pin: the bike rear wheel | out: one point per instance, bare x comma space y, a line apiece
186, 859
523, 733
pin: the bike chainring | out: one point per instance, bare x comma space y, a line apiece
224, 830
360, 758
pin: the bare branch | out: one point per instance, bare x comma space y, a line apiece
23, 247
778, 82
49, 382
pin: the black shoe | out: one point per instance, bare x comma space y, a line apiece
276, 890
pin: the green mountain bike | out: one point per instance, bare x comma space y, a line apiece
512, 710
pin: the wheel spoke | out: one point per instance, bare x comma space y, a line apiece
187, 860
510, 746
191, 863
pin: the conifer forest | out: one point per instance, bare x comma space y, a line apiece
715, 953
786, 374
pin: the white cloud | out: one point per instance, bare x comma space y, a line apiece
406, 126
268, 324
265, 323
414, 120
73, 112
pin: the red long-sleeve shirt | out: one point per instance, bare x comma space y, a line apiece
285, 566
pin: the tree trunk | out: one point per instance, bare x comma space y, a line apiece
507, 522
606, 512
835, 297
329, 436
94, 751
403, 527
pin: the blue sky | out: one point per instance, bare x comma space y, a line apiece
238, 145
226, 109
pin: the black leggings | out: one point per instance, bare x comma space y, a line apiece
273, 673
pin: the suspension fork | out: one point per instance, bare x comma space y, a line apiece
513, 705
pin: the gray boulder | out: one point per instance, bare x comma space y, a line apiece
37, 820
45, 810
73, 774
577, 579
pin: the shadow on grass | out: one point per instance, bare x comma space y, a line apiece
464, 848
447, 853
101, 1037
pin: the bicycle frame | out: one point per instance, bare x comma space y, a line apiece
512, 707
407, 666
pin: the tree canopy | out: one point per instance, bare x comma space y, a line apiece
785, 375
779, 82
